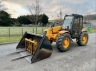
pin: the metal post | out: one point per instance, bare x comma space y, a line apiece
22, 31
42, 30
33, 30
36, 23
9, 32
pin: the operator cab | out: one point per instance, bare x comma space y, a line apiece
73, 23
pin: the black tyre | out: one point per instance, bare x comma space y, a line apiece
82, 40
63, 42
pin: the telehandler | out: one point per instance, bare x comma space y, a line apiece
37, 47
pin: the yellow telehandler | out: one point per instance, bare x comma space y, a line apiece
37, 47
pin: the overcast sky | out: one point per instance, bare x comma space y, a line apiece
51, 7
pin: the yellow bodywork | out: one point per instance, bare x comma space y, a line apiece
63, 31
53, 32
83, 30
31, 45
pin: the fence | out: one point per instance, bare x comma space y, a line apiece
18, 31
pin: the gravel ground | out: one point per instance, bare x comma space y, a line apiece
78, 58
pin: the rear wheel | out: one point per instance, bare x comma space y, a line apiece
83, 39
63, 42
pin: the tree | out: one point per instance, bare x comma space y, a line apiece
5, 19
44, 19
31, 18
23, 20
14, 20
59, 15
36, 9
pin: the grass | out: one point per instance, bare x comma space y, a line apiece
18, 30
9, 39
92, 30
6, 31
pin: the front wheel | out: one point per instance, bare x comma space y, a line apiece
63, 42
82, 40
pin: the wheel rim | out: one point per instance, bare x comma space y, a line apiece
84, 38
66, 42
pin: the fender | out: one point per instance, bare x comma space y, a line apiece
63, 31
83, 30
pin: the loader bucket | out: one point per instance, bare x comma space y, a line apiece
38, 46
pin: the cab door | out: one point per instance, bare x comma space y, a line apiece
77, 26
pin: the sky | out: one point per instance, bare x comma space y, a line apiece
51, 7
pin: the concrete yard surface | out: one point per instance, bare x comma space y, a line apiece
78, 58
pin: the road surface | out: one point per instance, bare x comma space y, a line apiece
78, 58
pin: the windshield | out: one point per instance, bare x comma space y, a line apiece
67, 21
